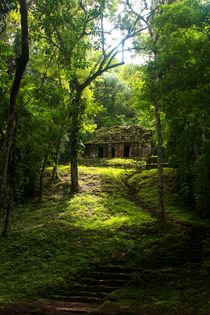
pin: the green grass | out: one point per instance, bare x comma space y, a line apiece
147, 182
60, 238
53, 242
102, 212
124, 163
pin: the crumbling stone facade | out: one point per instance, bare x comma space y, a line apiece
121, 142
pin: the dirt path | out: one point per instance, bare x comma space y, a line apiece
133, 196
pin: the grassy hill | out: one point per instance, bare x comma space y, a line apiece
112, 221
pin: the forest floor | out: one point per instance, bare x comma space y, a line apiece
104, 251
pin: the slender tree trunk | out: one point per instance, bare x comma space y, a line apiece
4, 164
57, 157
7, 223
74, 174
74, 155
41, 177
154, 36
160, 162
74, 139
20, 68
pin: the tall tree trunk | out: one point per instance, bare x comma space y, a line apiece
12, 188
154, 36
74, 174
20, 68
7, 223
57, 157
160, 162
41, 177
74, 140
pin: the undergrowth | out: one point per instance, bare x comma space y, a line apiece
53, 242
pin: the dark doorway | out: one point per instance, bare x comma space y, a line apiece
113, 152
100, 152
126, 151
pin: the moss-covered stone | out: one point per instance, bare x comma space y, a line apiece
120, 141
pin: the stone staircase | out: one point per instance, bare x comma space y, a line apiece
194, 251
87, 293
92, 289
152, 163
191, 249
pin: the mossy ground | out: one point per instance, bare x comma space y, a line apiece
55, 241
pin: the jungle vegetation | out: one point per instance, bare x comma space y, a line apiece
63, 74
69, 67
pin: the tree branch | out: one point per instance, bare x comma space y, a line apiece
24, 57
37, 90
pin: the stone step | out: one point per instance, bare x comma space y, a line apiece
99, 275
73, 308
72, 312
53, 308
113, 269
77, 299
91, 289
86, 293
106, 282
96, 288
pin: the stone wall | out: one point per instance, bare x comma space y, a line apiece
128, 141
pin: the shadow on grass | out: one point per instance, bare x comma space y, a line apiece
54, 242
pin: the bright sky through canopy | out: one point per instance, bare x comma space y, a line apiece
115, 32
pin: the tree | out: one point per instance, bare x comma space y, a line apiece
151, 87
113, 94
134, 77
183, 89
77, 30
21, 63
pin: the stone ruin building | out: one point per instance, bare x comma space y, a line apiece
121, 142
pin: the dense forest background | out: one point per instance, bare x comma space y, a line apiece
63, 73
104, 236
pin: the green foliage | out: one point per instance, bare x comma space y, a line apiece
186, 110
146, 184
182, 88
53, 243
6, 6
59, 239
134, 77
66, 235
115, 162
114, 96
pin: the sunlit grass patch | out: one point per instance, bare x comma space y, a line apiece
115, 172
104, 211
53, 242
146, 184
63, 169
125, 163
103, 170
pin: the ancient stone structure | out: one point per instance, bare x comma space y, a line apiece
121, 142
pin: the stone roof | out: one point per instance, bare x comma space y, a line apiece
120, 134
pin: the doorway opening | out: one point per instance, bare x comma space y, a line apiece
126, 151
100, 152
113, 152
